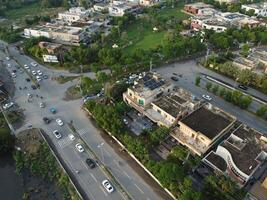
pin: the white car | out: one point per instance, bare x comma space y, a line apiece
57, 134
106, 184
26, 66
8, 105
59, 122
207, 97
42, 105
39, 73
79, 147
13, 75
71, 137
34, 64
38, 78
8, 65
34, 73
7, 58
125, 121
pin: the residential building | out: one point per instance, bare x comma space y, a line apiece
197, 8
101, 7
120, 8
229, 17
226, 1
240, 155
146, 89
209, 23
169, 109
73, 14
148, 2
248, 22
202, 128
61, 34
260, 9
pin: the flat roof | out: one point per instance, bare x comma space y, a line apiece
245, 146
207, 122
171, 104
216, 160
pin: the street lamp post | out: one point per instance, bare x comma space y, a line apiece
100, 147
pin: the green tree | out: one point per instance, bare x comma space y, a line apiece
262, 110
197, 80
187, 191
158, 134
215, 89
208, 86
179, 152
245, 50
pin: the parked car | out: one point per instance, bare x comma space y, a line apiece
174, 78
207, 97
9, 65
34, 64
57, 134
106, 184
53, 110
38, 78
71, 137
39, 73
42, 104
33, 87
8, 105
13, 75
7, 58
79, 147
46, 120
59, 122
34, 73
26, 66
90, 163
27, 79
243, 87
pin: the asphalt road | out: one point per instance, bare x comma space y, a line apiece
189, 70
90, 180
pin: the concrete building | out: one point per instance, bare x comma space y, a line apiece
145, 90
226, 1
209, 23
197, 8
240, 155
120, 8
202, 128
229, 17
73, 14
61, 34
248, 22
101, 7
52, 48
260, 9
148, 2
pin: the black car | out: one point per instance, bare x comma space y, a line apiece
28, 80
243, 87
33, 87
46, 120
90, 163
174, 78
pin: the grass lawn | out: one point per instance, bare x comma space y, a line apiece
33, 9
141, 33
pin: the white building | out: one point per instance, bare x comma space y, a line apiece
226, 1
73, 14
259, 9
148, 2
120, 8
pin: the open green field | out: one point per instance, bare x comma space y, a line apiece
141, 34
20, 14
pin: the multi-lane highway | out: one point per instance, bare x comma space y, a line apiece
89, 179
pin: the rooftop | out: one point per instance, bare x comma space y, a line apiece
209, 123
171, 104
216, 160
257, 5
199, 5
245, 146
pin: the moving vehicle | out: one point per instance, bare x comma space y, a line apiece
57, 134
8, 105
243, 87
106, 184
207, 97
59, 122
90, 163
79, 147
45, 77
46, 120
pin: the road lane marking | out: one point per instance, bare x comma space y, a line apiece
127, 174
64, 142
139, 188
103, 190
93, 176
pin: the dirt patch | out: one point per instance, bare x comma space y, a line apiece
64, 79
72, 93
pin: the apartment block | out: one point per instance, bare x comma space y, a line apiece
202, 128
73, 14
197, 8
240, 155
260, 9
61, 34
